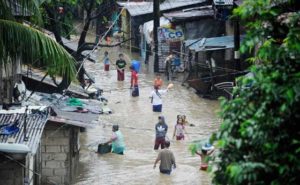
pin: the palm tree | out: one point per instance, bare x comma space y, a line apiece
18, 41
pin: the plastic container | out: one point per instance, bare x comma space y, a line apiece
176, 62
136, 65
104, 148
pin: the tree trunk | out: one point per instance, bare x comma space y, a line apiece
54, 24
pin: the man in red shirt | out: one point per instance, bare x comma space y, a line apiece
134, 82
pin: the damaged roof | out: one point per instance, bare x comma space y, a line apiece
142, 8
64, 113
37, 117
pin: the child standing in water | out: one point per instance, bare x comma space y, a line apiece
206, 151
185, 122
121, 64
106, 61
179, 129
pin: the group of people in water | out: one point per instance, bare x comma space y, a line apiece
165, 156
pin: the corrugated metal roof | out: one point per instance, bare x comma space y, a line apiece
36, 121
58, 102
189, 15
207, 44
142, 8
223, 2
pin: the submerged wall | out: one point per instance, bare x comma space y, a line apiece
11, 173
59, 153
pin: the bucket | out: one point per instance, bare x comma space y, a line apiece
136, 65
104, 148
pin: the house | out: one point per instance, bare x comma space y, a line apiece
60, 148
136, 14
211, 62
60, 144
49, 152
20, 149
185, 24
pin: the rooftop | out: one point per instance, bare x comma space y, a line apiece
66, 114
209, 44
142, 8
223, 2
37, 117
190, 14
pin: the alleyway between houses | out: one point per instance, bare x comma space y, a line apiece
136, 120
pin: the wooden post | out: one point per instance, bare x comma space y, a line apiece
156, 19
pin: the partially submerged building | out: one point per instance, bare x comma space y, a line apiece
60, 144
41, 145
177, 26
136, 14
211, 63
20, 145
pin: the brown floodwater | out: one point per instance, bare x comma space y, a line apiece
136, 120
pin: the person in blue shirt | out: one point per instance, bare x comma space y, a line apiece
117, 141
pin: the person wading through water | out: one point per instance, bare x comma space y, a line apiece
179, 130
106, 61
134, 82
167, 160
117, 141
161, 129
121, 64
158, 81
206, 151
156, 97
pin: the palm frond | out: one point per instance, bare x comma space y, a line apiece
18, 40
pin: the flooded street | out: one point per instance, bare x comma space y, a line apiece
137, 121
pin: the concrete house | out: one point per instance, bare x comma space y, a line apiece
60, 144
20, 145
60, 151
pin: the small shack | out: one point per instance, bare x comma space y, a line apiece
211, 62
60, 149
20, 144
60, 140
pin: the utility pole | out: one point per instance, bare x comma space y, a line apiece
156, 18
237, 44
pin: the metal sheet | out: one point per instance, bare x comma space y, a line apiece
142, 8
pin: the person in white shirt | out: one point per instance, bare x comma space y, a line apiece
156, 98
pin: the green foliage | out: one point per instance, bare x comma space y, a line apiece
17, 40
31, 45
259, 139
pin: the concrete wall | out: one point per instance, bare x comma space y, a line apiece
59, 155
10, 172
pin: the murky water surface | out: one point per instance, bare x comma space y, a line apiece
136, 120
